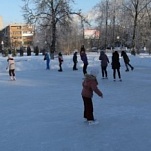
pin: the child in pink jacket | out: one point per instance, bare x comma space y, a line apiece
89, 86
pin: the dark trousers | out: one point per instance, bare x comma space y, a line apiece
85, 68
75, 66
48, 64
104, 71
128, 64
118, 72
88, 108
60, 66
12, 72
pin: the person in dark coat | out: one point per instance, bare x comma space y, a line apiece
75, 61
21, 51
126, 61
84, 59
36, 50
104, 63
116, 65
60, 59
28, 51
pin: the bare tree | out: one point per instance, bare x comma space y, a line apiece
136, 8
49, 13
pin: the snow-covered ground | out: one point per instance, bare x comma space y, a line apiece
43, 110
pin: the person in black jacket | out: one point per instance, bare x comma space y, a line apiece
126, 61
75, 60
28, 51
116, 65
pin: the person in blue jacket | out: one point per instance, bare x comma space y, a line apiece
47, 59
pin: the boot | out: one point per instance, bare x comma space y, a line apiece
127, 70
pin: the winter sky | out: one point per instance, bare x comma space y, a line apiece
11, 11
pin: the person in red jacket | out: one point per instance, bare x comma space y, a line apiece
89, 86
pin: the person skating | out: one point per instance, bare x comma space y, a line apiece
11, 67
126, 61
75, 61
116, 65
89, 86
28, 51
60, 59
104, 63
47, 59
84, 59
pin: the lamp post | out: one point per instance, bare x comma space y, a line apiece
118, 43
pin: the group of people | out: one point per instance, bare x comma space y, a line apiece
47, 59
90, 83
115, 63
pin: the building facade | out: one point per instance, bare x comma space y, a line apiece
17, 35
1, 23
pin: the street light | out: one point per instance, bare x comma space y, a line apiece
118, 43
118, 37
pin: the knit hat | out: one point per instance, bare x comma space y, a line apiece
94, 72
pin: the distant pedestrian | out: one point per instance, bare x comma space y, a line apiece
11, 67
47, 59
89, 86
104, 63
28, 51
36, 50
75, 61
84, 59
126, 61
116, 65
60, 59
21, 51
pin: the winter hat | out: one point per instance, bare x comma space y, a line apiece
94, 72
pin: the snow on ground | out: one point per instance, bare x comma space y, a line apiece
43, 110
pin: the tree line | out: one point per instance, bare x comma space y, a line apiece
124, 23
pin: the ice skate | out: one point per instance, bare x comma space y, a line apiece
93, 122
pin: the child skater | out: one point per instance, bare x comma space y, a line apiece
60, 59
47, 58
11, 67
89, 86
75, 61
